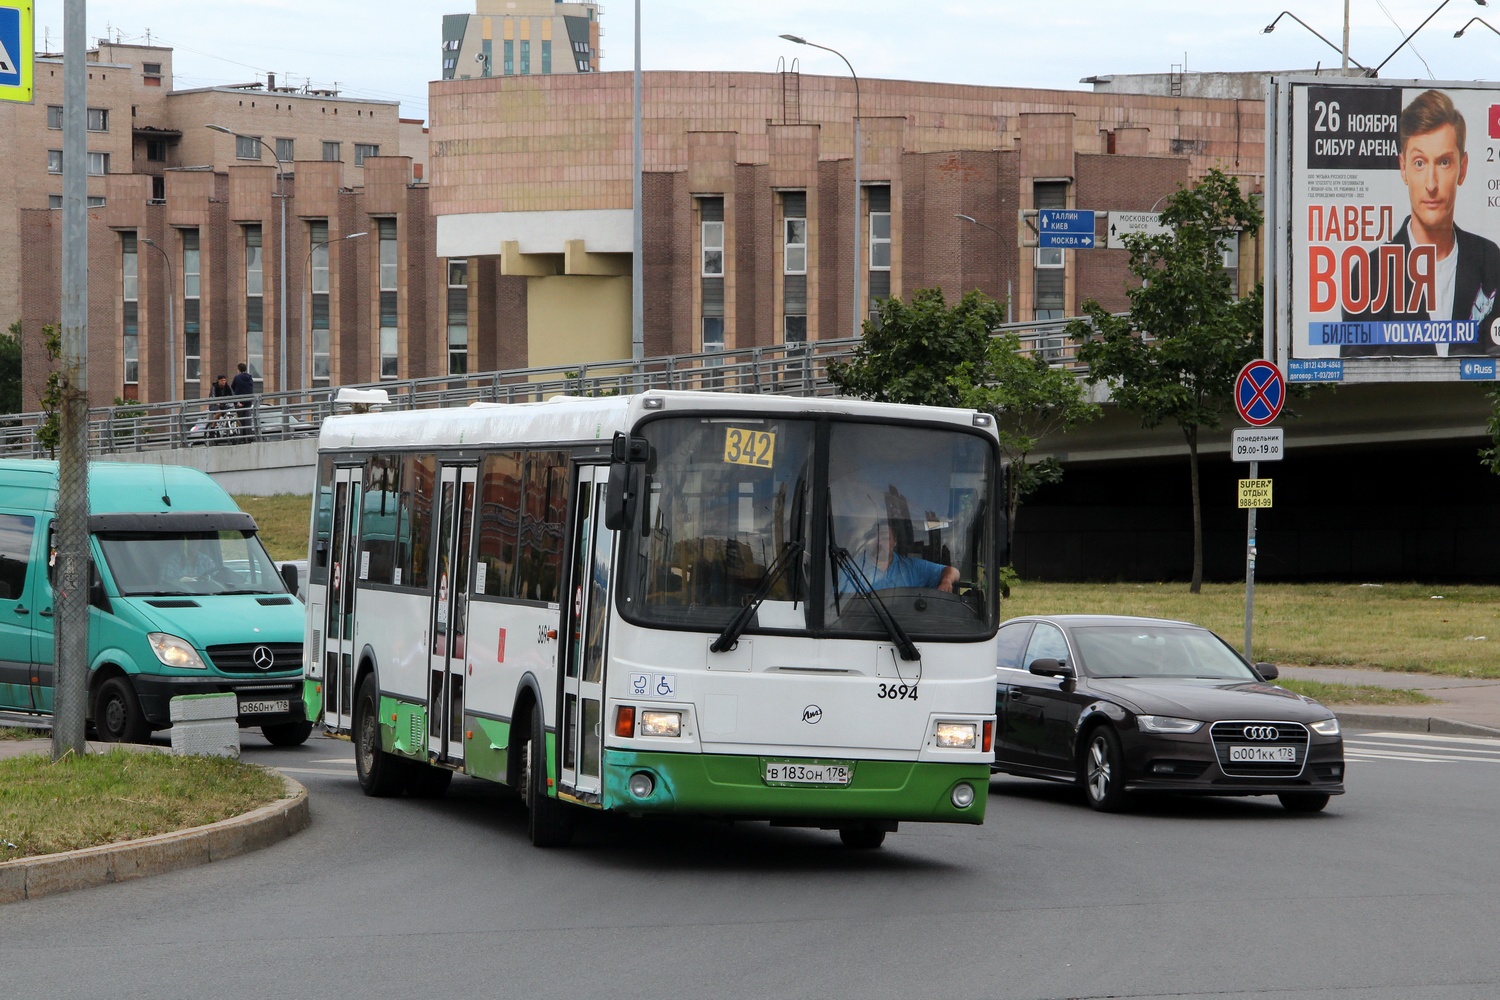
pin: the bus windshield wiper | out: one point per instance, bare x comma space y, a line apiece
843, 560
731, 634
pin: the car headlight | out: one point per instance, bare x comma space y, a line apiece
1167, 724
957, 735
661, 723
1327, 727
175, 652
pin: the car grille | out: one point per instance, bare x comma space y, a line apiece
1292, 734
239, 658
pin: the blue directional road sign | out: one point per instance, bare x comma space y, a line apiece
1065, 228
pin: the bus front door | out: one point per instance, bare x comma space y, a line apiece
338, 612
583, 680
454, 529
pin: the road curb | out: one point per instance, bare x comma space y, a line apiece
1414, 724
31, 878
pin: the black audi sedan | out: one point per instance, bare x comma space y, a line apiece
1120, 705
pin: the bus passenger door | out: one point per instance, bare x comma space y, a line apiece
583, 680
454, 527
338, 616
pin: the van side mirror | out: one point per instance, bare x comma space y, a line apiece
627, 476
97, 597
289, 577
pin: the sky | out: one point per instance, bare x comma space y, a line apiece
390, 49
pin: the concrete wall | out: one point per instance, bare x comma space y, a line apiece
263, 468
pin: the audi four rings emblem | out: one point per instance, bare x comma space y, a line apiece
263, 658
1266, 733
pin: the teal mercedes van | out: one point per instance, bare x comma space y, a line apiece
184, 599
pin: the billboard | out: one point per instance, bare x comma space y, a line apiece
1393, 221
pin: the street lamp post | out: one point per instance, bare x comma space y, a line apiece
1460, 32
855, 263
171, 321
1367, 71
307, 313
1376, 70
280, 196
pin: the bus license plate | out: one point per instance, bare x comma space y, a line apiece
786, 773
1264, 755
266, 706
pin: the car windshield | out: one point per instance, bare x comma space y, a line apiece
1157, 651
189, 564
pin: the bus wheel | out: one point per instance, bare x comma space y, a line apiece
380, 774
117, 713
287, 734
862, 838
547, 820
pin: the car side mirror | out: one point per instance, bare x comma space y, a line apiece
1046, 666
289, 577
1267, 671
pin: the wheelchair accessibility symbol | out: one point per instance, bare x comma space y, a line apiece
659, 685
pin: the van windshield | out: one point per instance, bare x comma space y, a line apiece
189, 564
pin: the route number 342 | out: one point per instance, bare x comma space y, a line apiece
898, 692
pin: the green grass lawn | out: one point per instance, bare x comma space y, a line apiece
283, 521
121, 795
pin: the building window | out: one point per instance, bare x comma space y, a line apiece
362, 150
156, 151
389, 331
54, 201
795, 246
880, 241
54, 161
546, 57
1049, 278
151, 74
54, 116
285, 150
95, 201
510, 57
713, 246
713, 337
794, 330
247, 147
255, 311
98, 164
331, 152
158, 189
525, 57
130, 348
458, 317
192, 359
317, 235
1049, 257
98, 119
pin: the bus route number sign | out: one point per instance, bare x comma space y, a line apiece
746, 447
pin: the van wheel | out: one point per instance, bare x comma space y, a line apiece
117, 713
287, 734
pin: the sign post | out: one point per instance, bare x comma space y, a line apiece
1259, 392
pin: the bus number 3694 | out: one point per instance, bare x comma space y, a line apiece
898, 691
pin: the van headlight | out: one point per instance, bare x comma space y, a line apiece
175, 652
957, 735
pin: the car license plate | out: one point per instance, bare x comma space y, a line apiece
782, 772
1266, 755
265, 706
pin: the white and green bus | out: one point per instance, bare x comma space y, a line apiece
703, 604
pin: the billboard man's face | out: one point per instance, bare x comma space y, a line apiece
1433, 168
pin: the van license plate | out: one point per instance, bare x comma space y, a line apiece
265, 707
785, 772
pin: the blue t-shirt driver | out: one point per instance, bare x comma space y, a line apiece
886, 569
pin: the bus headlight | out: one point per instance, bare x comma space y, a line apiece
641, 785
957, 735
963, 795
175, 652
657, 723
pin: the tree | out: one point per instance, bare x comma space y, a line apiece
929, 353
10, 369
1030, 399
1490, 457
50, 431
1175, 354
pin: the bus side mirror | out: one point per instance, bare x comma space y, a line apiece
627, 475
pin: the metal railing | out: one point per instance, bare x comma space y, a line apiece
791, 370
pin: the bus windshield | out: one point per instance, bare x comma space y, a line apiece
189, 564
834, 526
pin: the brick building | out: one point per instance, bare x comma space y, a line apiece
749, 198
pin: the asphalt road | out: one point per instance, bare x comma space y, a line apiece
1388, 894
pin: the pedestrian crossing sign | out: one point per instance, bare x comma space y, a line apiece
17, 49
